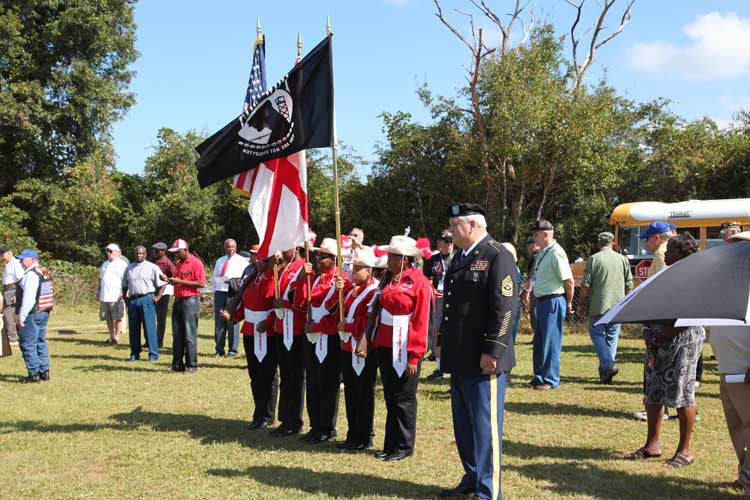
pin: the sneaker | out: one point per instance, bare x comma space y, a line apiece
133, 358
44, 375
231, 355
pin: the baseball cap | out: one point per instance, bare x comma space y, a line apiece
542, 225
179, 245
657, 227
27, 253
605, 238
254, 248
113, 246
731, 225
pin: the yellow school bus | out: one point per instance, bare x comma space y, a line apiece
701, 218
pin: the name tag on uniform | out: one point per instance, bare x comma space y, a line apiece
479, 265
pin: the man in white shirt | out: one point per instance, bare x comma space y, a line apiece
227, 267
12, 274
111, 304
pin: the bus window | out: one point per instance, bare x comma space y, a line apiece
630, 245
713, 237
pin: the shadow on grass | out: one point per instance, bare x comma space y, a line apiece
334, 484
36, 426
531, 451
211, 430
81, 341
555, 408
599, 483
123, 367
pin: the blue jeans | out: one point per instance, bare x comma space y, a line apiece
550, 314
224, 329
604, 338
478, 402
32, 339
142, 311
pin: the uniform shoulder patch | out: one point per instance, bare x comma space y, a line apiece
494, 244
506, 287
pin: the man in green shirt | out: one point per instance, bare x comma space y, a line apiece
552, 285
605, 282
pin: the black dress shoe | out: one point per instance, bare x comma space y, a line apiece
460, 490
310, 436
254, 426
288, 431
346, 445
322, 438
31, 379
278, 431
382, 454
397, 456
44, 375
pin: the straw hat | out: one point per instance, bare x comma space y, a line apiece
329, 246
403, 245
365, 257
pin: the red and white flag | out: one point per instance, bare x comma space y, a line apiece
278, 203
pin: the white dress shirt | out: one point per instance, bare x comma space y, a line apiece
12, 272
237, 264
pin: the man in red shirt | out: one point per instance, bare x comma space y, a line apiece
189, 278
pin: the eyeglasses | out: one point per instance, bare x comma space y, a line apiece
108, 251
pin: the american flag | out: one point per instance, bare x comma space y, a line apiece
256, 85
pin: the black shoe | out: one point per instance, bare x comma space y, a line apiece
309, 437
44, 375
322, 438
278, 431
177, 369
434, 375
217, 355
611, 374
287, 431
398, 455
460, 490
31, 379
431, 357
346, 445
254, 426
382, 454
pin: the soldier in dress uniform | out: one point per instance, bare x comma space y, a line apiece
480, 302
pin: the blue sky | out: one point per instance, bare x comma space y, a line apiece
195, 59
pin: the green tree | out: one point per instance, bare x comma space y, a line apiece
63, 82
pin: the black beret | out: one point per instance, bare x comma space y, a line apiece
542, 225
461, 209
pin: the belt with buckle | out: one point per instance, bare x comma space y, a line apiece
9, 286
553, 296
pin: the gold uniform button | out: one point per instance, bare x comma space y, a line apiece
445, 318
447, 306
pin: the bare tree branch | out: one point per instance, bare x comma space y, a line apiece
598, 38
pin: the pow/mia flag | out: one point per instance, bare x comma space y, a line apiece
294, 114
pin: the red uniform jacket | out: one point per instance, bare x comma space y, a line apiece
410, 295
288, 288
324, 300
258, 298
361, 295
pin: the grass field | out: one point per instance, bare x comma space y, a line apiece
105, 428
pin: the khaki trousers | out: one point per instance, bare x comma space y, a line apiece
735, 398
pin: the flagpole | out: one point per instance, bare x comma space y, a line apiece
337, 208
308, 278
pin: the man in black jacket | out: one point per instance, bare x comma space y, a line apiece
481, 299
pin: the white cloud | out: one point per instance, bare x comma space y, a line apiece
719, 47
735, 103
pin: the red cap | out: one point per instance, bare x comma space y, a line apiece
254, 248
179, 245
378, 251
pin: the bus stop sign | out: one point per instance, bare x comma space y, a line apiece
641, 269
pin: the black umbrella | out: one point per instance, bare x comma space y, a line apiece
711, 287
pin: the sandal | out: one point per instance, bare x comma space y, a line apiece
641, 454
678, 461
